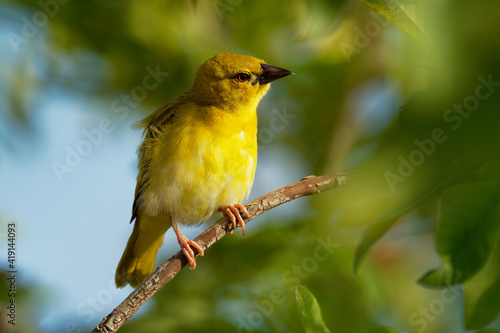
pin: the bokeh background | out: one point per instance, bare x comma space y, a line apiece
75, 76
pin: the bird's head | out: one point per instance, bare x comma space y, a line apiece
231, 80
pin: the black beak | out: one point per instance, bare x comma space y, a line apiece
271, 73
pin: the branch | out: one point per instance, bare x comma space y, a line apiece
168, 270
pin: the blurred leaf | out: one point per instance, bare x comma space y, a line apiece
383, 223
488, 330
435, 277
381, 329
309, 311
465, 231
475, 290
486, 308
397, 15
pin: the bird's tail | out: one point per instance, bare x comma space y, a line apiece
138, 260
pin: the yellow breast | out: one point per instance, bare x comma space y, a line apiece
205, 161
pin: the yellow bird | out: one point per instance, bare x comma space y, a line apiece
198, 158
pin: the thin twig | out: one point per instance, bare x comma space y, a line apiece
168, 270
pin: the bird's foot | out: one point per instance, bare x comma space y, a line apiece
186, 244
234, 215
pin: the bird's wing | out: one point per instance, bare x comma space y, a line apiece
153, 126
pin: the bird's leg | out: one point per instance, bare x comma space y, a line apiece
233, 214
185, 245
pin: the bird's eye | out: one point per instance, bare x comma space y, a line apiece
242, 77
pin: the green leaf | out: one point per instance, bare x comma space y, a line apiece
383, 223
309, 311
381, 329
398, 17
372, 234
481, 304
439, 276
486, 308
489, 330
465, 231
